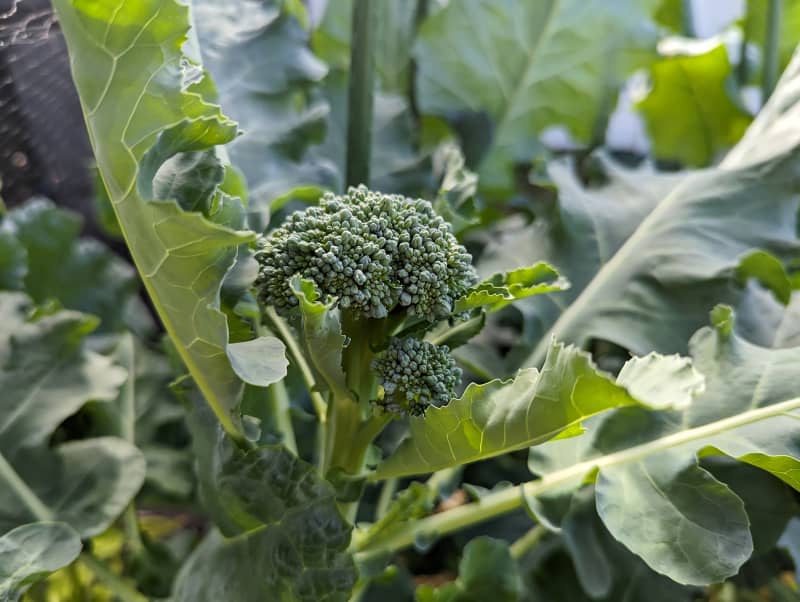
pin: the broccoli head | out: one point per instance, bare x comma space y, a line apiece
373, 252
415, 374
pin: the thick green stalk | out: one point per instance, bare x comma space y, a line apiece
513, 498
742, 69
687, 19
528, 542
385, 498
280, 410
771, 49
299, 360
360, 92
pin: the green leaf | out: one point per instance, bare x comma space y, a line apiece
689, 112
605, 569
259, 362
502, 289
322, 336
767, 269
646, 462
686, 255
514, 61
455, 199
664, 381
137, 122
588, 228
486, 572
502, 416
285, 542
48, 375
82, 274
258, 55
661, 520
191, 179
31, 552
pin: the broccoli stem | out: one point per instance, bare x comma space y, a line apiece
345, 448
279, 407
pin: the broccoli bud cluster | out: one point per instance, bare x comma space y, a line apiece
372, 251
415, 374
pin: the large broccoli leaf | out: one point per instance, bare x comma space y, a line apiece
142, 107
588, 226
501, 416
529, 65
258, 55
652, 495
694, 248
47, 375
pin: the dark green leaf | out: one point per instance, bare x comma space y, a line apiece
589, 226
48, 375
286, 539
486, 572
258, 55
81, 274
648, 467
13, 261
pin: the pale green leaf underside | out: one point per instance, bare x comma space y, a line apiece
259, 362
126, 63
31, 552
502, 416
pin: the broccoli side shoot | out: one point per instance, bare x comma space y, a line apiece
415, 374
374, 252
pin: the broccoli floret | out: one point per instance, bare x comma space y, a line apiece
415, 374
374, 252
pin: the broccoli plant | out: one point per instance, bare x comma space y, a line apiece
348, 382
387, 269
